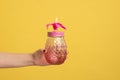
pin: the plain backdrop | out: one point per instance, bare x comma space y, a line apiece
92, 37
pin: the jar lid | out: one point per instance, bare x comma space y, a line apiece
55, 34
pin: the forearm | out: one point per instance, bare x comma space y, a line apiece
16, 60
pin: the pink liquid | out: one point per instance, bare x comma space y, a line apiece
55, 55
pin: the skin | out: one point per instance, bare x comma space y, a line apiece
11, 60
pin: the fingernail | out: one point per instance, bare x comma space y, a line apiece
44, 50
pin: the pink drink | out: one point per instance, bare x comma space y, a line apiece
56, 50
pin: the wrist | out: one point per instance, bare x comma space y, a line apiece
30, 60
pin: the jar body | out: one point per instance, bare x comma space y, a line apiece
56, 50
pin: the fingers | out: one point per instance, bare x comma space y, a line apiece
40, 52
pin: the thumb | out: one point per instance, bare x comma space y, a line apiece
44, 51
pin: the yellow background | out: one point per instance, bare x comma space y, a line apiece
92, 36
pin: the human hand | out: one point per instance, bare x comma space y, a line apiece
39, 58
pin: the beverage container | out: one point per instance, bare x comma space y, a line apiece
56, 49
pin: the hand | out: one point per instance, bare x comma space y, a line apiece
39, 58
